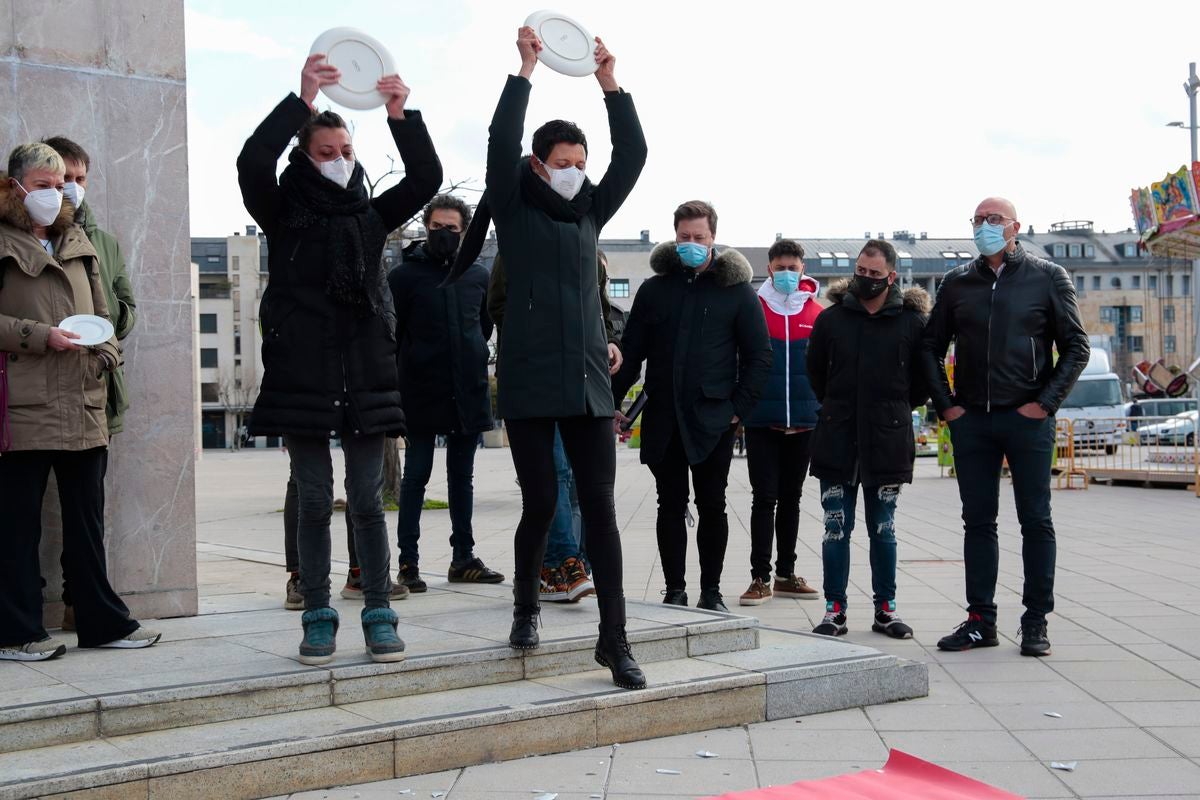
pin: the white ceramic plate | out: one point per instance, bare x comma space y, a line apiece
92, 330
362, 59
568, 47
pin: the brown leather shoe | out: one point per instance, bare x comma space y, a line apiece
795, 586
756, 595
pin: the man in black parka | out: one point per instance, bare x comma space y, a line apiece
864, 366
442, 333
700, 327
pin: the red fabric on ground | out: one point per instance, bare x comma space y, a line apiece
903, 777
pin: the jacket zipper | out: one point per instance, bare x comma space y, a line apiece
787, 368
295, 250
991, 304
1033, 351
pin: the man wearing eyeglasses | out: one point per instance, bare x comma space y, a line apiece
1004, 311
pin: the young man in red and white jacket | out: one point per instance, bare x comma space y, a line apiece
779, 432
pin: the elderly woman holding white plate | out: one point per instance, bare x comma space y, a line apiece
53, 417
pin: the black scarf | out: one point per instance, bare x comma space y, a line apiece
353, 231
534, 191
537, 193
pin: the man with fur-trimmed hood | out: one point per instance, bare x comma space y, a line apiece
52, 395
864, 369
699, 326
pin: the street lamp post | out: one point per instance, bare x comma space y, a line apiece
1191, 87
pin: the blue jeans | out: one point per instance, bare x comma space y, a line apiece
982, 441
460, 470
566, 531
839, 501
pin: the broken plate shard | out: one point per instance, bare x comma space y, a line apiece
706, 754
547, 796
668, 772
1065, 766
1054, 714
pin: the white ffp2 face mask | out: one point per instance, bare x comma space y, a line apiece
338, 170
73, 192
43, 205
565, 182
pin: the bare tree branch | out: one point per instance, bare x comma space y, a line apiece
236, 399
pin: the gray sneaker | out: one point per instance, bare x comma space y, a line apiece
44, 650
142, 637
294, 600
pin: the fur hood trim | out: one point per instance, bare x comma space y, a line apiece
915, 298
12, 211
729, 268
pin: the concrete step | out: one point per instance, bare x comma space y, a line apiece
239, 665
369, 733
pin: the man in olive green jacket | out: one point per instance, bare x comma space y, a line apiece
117, 290
118, 295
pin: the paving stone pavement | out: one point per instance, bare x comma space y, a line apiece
1125, 674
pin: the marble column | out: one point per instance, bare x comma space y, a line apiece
110, 75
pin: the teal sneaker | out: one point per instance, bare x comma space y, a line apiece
320, 636
379, 630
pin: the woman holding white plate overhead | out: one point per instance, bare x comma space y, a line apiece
56, 343
329, 329
554, 360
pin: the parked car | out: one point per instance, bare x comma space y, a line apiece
1179, 430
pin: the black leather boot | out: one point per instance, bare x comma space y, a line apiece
526, 613
612, 649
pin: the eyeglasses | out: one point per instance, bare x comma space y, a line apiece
990, 219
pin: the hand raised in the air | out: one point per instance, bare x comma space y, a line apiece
317, 73
607, 64
528, 45
396, 92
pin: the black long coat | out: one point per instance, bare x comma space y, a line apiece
553, 359
327, 371
866, 372
443, 352
707, 351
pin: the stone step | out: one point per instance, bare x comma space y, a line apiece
366, 738
219, 667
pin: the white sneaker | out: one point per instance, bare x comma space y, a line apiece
44, 650
142, 637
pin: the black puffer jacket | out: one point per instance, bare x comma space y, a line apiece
442, 333
328, 369
553, 358
705, 341
1004, 329
865, 371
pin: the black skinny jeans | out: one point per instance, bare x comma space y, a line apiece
591, 449
982, 441
710, 478
777, 463
291, 523
312, 467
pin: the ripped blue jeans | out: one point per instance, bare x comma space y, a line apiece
879, 503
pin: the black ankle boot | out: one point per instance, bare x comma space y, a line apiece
526, 613
612, 649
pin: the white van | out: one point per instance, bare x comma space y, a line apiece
1095, 406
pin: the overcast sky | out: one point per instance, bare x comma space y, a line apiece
789, 117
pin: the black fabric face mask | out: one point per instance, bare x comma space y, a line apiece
441, 244
865, 288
